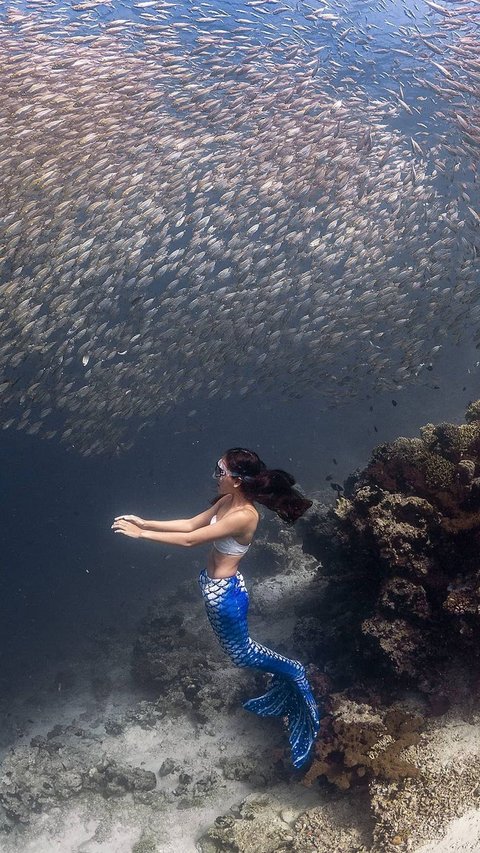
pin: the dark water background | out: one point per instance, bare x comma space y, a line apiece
66, 576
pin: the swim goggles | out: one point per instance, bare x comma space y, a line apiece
220, 471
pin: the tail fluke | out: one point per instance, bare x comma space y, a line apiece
293, 699
272, 703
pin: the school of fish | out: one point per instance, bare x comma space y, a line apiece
214, 199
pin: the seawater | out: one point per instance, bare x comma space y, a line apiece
66, 579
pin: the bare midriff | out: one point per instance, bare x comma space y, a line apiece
222, 565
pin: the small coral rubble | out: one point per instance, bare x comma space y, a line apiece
266, 823
47, 772
184, 666
404, 560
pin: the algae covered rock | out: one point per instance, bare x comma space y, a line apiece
358, 742
255, 825
275, 823
400, 550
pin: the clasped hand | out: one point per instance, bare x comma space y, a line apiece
129, 525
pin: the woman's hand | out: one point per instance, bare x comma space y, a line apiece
135, 519
128, 528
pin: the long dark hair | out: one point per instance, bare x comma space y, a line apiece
271, 487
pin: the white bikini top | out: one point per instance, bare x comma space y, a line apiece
228, 545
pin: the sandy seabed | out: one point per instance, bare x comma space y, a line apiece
94, 763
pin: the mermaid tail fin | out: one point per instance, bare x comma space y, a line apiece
293, 699
272, 703
303, 728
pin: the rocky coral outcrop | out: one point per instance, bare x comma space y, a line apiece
257, 824
407, 813
400, 549
265, 823
380, 815
167, 646
358, 742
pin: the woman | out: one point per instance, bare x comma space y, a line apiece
242, 479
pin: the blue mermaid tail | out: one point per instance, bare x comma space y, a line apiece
289, 695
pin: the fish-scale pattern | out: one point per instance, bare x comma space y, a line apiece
290, 695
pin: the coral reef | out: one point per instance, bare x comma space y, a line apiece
380, 816
418, 809
400, 550
247, 768
357, 743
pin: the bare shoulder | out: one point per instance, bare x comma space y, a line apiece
204, 518
251, 515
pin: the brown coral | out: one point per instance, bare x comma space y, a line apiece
358, 743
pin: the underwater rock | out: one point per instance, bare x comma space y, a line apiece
358, 742
185, 665
339, 825
400, 552
145, 844
169, 646
313, 834
194, 792
409, 813
111, 779
48, 772
113, 727
272, 823
253, 826
164, 647
257, 771
168, 766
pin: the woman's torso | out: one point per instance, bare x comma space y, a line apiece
225, 565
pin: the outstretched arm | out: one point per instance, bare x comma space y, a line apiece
235, 524
181, 525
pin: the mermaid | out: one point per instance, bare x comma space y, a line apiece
229, 524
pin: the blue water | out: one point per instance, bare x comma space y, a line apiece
64, 574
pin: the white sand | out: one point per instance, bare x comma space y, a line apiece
463, 836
